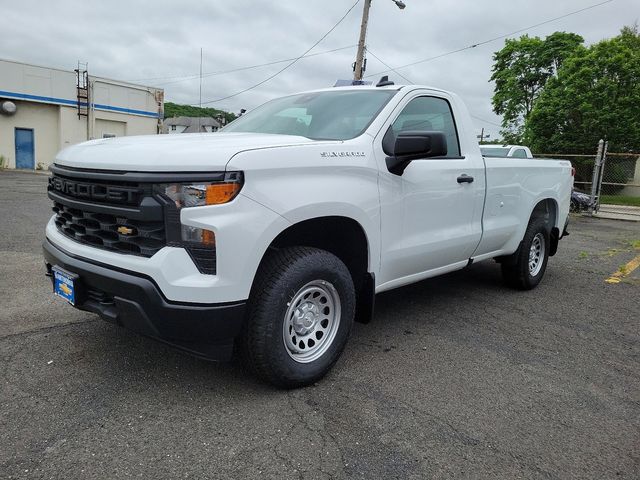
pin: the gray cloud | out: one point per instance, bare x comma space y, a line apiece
151, 41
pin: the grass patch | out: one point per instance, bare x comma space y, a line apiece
583, 255
620, 200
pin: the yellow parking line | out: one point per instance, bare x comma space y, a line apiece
624, 271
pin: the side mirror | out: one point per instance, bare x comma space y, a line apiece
415, 145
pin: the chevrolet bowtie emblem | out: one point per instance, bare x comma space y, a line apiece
125, 230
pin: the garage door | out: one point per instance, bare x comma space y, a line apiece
110, 128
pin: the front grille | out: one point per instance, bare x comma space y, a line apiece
101, 230
125, 212
99, 191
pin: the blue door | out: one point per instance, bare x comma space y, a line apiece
24, 148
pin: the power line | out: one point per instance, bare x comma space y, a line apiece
289, 64
386, 65
486, 121
182, 78
493, 39
408, 80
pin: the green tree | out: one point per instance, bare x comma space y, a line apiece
176, 110
596, 94
520, 71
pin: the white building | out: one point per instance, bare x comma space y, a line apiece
190, 125
43, 110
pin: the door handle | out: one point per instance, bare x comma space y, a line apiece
464, 178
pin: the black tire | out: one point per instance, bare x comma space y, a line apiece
283, 275
574, 207
515, 268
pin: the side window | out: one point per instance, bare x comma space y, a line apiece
431, 114
519, 153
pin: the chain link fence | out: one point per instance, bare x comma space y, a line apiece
604, 181
621, 176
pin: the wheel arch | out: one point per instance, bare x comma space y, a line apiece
345, 238
547, 208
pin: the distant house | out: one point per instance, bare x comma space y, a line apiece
190, 125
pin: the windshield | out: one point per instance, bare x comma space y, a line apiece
495, 151
334, 115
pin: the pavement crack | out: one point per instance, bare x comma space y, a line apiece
45, 329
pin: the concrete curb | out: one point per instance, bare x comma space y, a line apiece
26, 172
619, 212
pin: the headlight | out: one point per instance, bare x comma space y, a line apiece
200, 243
199, 194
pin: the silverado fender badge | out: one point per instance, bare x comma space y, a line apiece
341, 154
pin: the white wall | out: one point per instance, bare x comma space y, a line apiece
44, 121
50, 110
633, 191
33, 80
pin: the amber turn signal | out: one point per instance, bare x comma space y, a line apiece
218, 193
208, 238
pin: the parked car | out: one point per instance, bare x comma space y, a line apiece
580, 201
273, 235
515, 151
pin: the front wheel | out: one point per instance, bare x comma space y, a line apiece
300, 315
525, 268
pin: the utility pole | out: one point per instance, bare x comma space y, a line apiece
357, 69
595, 177
482, 136
200, 112
359, 65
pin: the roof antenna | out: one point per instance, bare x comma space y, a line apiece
384, 81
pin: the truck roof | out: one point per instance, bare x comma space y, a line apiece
500, 145
373, 87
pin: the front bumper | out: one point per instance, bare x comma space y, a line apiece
134, 301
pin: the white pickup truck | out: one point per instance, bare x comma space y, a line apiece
510, 151
271, 237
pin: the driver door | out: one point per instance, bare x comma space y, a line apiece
430, 221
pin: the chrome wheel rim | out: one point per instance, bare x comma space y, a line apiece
536, 254
311, 321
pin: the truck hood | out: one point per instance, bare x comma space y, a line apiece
169, 153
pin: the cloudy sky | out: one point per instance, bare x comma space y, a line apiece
158, 42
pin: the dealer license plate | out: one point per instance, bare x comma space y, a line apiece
64, 284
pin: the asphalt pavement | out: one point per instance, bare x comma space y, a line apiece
456, 377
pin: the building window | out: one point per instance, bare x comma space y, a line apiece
173, 127
108, 135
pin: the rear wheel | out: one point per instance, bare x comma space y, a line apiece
301, 311
525, 268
